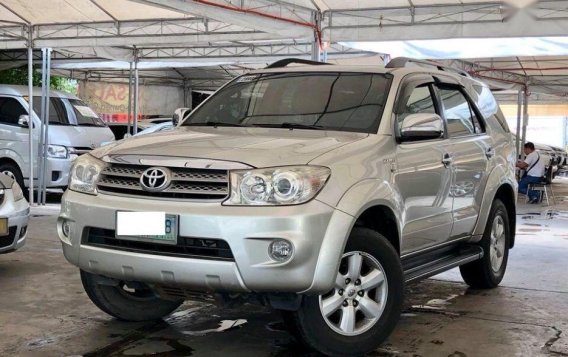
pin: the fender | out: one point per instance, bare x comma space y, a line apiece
498, 177
373, 192
361, 196
14, 156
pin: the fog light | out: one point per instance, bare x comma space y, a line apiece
23, 231
280, 250
66, 228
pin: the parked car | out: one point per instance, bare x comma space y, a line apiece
14, 215
74, 129
152, 129
122, 130
319, 190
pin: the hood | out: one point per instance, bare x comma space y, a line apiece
79, 136
258, 147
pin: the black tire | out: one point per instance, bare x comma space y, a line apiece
480, 274
139, 305
308, 323
13, 171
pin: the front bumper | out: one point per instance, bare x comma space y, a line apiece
317, 231
57, 173
18, 214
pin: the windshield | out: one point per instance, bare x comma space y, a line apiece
57, 112
84, 114
331, 101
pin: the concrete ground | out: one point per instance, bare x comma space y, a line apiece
44, 311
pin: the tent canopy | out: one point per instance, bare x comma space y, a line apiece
216, 39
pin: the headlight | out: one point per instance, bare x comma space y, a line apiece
84, 174
57, 152
17, 192
291, 185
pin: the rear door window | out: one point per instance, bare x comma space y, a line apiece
459, 114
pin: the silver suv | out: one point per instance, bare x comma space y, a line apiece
318, 189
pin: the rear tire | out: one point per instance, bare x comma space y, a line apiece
126, 304
489, 271
373, 299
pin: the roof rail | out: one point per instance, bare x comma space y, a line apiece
401, 62
284, 62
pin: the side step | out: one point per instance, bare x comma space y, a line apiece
463, 255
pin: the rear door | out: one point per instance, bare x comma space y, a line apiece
470, 150
422, 178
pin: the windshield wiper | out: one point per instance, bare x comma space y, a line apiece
288, 125
214, 124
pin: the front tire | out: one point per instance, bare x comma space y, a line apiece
139, 304
489, 271
13, 171
363, 308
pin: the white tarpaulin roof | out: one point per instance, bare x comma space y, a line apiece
229, 35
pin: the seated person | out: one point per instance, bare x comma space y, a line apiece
534, 168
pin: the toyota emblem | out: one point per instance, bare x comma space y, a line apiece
155, 179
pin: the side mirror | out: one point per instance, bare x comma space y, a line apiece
24, 121
422, 126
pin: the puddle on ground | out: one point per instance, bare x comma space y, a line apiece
225, 325
158, 346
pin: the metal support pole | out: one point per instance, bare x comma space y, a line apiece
519, 117
47, 101
525, 119
136, 94
31, 121
129, 98
386, 59
40, 156
316, 50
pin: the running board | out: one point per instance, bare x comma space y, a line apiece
452, 259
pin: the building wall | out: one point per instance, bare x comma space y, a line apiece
110, 100
547, 123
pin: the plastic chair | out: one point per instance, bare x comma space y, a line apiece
543, 188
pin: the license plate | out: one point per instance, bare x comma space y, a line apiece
147, 226
3, 226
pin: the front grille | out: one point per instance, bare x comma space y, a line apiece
8, 240
186, 183
187, 247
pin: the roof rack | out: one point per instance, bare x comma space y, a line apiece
284, 62
401, 62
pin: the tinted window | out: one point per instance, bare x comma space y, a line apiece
488, 106
57, 112
334, 101
459, 114
420, 101
10, 111
84, 114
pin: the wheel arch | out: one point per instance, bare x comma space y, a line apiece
506, 194
501, 184
387, 226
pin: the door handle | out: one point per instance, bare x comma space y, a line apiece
489, 153
447, 160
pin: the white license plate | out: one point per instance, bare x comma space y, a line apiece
147, 226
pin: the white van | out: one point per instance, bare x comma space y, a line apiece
74, 129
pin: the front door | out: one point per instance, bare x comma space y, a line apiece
424, 180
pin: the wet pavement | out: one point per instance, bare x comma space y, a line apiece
44, 311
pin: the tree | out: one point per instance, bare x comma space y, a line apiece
20, 76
